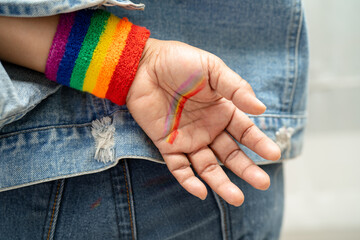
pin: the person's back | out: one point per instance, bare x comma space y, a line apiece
264, 43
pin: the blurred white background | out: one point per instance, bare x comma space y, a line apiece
323, 185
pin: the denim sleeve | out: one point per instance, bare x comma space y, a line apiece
17, 97
37, 8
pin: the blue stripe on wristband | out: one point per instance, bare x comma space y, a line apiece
73, 46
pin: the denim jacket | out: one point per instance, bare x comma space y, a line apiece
49, 132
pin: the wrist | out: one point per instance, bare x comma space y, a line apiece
26, 41
146, 63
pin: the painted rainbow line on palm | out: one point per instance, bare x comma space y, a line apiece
195, 83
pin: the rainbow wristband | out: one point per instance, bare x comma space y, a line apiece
96, 52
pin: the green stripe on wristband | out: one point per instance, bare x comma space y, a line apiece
96, 28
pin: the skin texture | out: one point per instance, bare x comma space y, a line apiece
209, 120
27, 41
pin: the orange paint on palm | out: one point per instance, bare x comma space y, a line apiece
192, 88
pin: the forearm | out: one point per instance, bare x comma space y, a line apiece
26, 41
92, 51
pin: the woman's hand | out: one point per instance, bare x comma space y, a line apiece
193, 106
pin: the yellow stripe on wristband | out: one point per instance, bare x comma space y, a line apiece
113, 55
100, 54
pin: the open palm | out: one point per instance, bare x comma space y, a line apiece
212, 117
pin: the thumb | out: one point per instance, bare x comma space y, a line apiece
231, 86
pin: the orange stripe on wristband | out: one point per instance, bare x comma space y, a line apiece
113, 55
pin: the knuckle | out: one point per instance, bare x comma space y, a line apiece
178, 168
234, 93
208, 168
231, 156
242, 88
182, 173
214, 68
257, 141
250, 137
246, 133
244, 85
245, 170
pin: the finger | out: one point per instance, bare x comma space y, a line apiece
245, 132
206, 165
179, 166
229, 153
231, 86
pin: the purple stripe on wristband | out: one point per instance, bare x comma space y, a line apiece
58, 46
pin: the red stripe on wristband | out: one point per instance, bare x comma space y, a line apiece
126, 68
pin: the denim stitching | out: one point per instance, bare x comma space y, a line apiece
277, 116
291, 59
44, 129
131, 197
287, 46
128, 199
80, 125
296, 57
55, 210
113, 187
81, 173
223, 216
225, 222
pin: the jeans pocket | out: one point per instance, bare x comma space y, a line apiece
30, 212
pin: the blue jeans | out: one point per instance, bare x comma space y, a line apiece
138, 199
